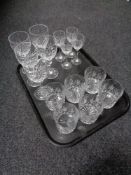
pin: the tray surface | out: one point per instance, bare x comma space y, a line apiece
82, 131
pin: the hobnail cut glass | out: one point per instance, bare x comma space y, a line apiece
94, 76
66, 118
110, 93
74, 87
90, 108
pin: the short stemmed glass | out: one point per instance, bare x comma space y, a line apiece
90, 108
47, 56
66, 49
94, 76
77, 45
66, 118
39, 35
59, 39
110, 92
74, 87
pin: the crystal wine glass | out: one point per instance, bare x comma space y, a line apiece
17, 37
90, 108
94, 76
110, 93
77, 45
74, 87
56, 97
66, 118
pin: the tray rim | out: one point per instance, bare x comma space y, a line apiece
79, 139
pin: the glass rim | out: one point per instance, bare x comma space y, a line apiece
60, 30
19, 31
71, 27
30, 28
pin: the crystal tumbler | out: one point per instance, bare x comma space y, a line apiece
66, 118
110, 93
74, 87
94, 76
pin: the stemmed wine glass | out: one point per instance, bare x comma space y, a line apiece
77, 44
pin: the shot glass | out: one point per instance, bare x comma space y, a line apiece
56, 98
110, 93
66, 118
74, 87
94, 76
90, 108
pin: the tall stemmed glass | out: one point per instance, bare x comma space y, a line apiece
71, 34
39, 35
77, 45
59, 39
47, 56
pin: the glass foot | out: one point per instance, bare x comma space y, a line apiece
41, 93
66, 65
76, 61
72, 54
60, 57
33, 84
52, 73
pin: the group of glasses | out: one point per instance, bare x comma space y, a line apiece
36, 49
80, 98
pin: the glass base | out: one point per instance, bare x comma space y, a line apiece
33, 84
76, 61
52, 73
72, 54
41, 93
60, 57
66, 65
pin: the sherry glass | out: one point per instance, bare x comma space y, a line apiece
66, 118
94, 76
110, 92
17, 37
77, 44
56, 97
90, 108
74, 87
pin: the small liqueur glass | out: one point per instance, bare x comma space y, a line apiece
56, 98
74, 87
94, 76
90, 108
66, 49
66, 118
110, 93
17, 37
77, 45
39, 35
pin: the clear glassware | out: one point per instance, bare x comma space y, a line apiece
56, 98
42, 92
39, 35
110, 93
60, 57
37, 74
90, 108
71, 33
94, 76
59, 37
47, 56
66, 49
77, 45
17, 37
74, 87
66, 118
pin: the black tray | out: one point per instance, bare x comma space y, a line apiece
82, 131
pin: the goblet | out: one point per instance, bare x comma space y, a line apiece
71, 33
74, 87
110, 93
39, 35
17, 37
66, 118
90, 108
94, 76
77, 45
66, 49
56, 97
47, 56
